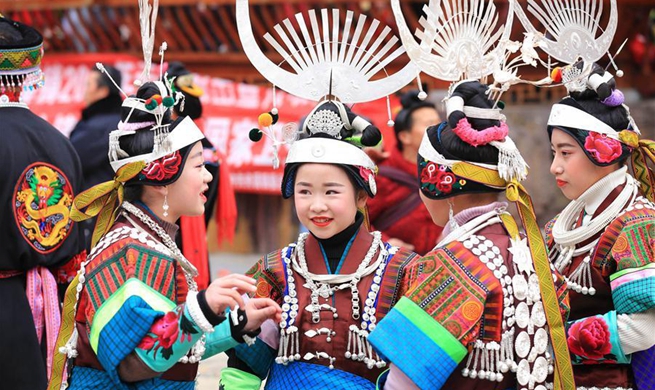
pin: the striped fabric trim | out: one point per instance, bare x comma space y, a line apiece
428, 354
132, 287
630, 274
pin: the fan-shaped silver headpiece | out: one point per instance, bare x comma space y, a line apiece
335, 56
455, 42
574, 27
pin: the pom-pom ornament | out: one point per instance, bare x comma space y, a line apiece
287, 135
168, 101
255, 135
265, 119
151, 104
556, 75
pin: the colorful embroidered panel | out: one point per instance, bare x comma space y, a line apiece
394, 280
121, 261
270, 275
451, 293
42, 203
633, 248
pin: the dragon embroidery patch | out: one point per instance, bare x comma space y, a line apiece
42, 203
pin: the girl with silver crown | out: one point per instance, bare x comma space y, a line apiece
602, 241
336, 282
133, 315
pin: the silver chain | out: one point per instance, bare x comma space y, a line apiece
190, 271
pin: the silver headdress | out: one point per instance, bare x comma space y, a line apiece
462, 42
574, 28
165, 142
579, 41
328, 58
331, 59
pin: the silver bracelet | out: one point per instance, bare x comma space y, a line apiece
196, 313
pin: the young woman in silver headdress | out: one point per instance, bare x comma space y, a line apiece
476, 314
602, 241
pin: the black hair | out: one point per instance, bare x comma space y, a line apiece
192, 106
405, 118
474, 95
453, 148
16, 35
129, 115
450, 145
9, 34
142, 141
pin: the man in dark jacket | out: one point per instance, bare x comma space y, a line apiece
90, 137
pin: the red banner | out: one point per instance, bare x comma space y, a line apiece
230, 111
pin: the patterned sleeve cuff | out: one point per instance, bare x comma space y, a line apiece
196, 314
594, 340
633, 289
440, 352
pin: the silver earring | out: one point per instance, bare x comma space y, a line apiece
165, 206
451, 217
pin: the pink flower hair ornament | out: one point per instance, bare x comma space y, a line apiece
602, 148
475, 137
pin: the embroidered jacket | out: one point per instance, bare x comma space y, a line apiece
132, 310
40, 246
622, 273
331, 351
471, 319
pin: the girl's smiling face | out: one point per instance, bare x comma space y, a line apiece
326, 199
